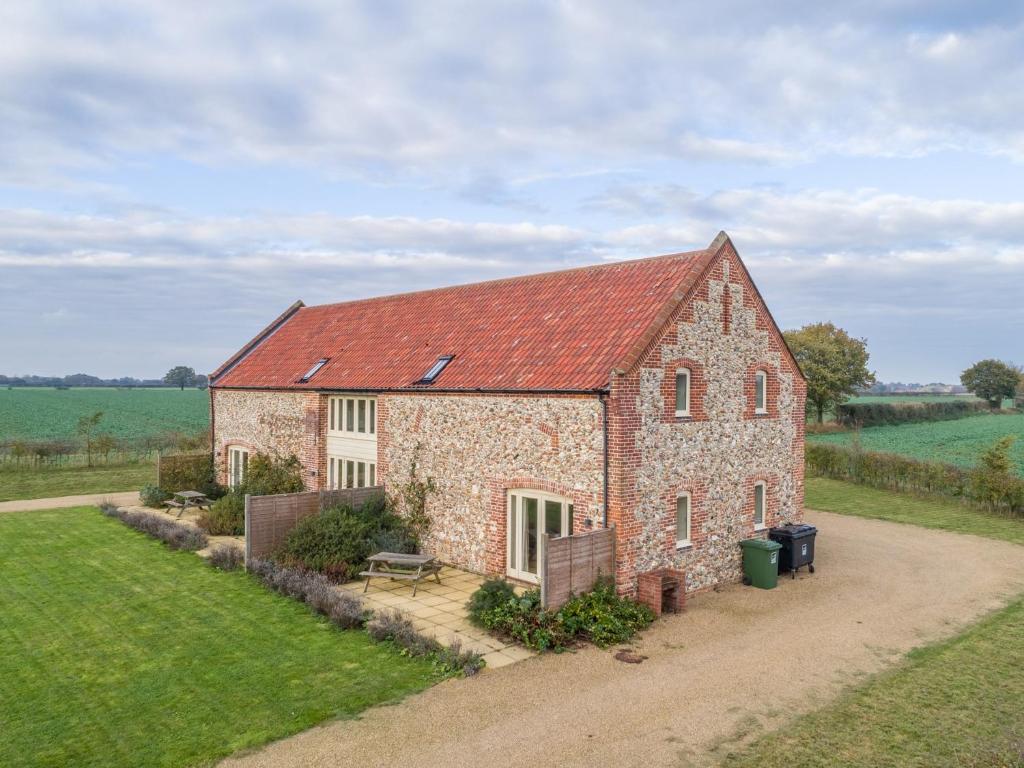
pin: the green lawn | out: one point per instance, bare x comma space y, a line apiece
118, 652
959, 441
958, 703
72, 481
862, 501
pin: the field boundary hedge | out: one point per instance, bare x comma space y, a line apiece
883, 414
892, 472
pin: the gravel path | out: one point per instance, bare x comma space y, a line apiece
92, 499
737, 662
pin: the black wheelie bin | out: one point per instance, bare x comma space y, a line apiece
797, 546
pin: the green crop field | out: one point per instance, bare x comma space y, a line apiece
30, 413
957, 442
895, 399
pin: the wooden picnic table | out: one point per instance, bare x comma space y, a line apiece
394, 565
184, 499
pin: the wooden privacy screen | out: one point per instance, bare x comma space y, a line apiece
573, 564
269, 519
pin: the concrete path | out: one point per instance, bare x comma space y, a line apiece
30, 505
736, 663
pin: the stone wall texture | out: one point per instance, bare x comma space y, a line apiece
274, 423
478, 446
717, 454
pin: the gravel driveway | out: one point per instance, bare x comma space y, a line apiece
737, 662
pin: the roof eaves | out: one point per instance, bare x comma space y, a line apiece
258, 339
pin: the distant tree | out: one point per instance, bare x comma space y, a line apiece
180, 376
87, 426
104, 444
834, 363
991, 380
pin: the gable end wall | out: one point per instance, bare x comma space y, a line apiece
726, 333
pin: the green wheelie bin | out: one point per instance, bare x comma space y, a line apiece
761, 562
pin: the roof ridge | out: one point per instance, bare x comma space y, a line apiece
510, 278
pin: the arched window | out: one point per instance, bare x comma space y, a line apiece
760, 392
684, 520
683, 379
760, 501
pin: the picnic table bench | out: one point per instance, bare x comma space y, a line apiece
394, 565
184, 499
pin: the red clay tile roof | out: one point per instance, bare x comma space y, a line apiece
557, 331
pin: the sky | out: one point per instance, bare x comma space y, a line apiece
173, 175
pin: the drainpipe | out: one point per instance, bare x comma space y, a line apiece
603, 397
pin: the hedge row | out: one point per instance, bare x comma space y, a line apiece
881, 414
997, 492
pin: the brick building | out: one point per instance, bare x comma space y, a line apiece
655, 395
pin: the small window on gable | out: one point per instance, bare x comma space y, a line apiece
760, 392
759, 503
435, 369
683, 392
683, 521
313, 371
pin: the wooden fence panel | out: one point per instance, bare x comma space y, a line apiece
573, 564
269, 519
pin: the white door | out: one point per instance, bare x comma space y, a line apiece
238, 462
530, 514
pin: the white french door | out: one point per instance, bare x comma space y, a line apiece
530, 514
238, 463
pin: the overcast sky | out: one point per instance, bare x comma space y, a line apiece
174, 174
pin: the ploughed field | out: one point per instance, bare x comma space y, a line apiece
959, 441
45, 413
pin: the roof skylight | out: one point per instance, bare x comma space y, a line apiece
435, 369
312, 371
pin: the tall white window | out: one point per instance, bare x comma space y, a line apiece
238, 463
683, 521
352, 416
759, 501
760, 392
683, 392
350, 473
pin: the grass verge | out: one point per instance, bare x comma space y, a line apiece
118, 652
959, 703
863, 501
71, 481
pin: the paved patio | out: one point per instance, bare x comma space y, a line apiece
439, 611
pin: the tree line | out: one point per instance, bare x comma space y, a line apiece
180, 376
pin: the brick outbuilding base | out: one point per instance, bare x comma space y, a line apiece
663, 590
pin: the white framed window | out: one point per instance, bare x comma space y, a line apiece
238, 463
352, 416
760, 392
350, 473
531, 514
683, 521
683, 392
760, 490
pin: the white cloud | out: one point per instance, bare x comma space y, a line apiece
355, 89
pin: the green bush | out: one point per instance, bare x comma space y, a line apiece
874, 414
264, 476
491, 594
604, 618
225, 517
153, 496
338, 540
600, 616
